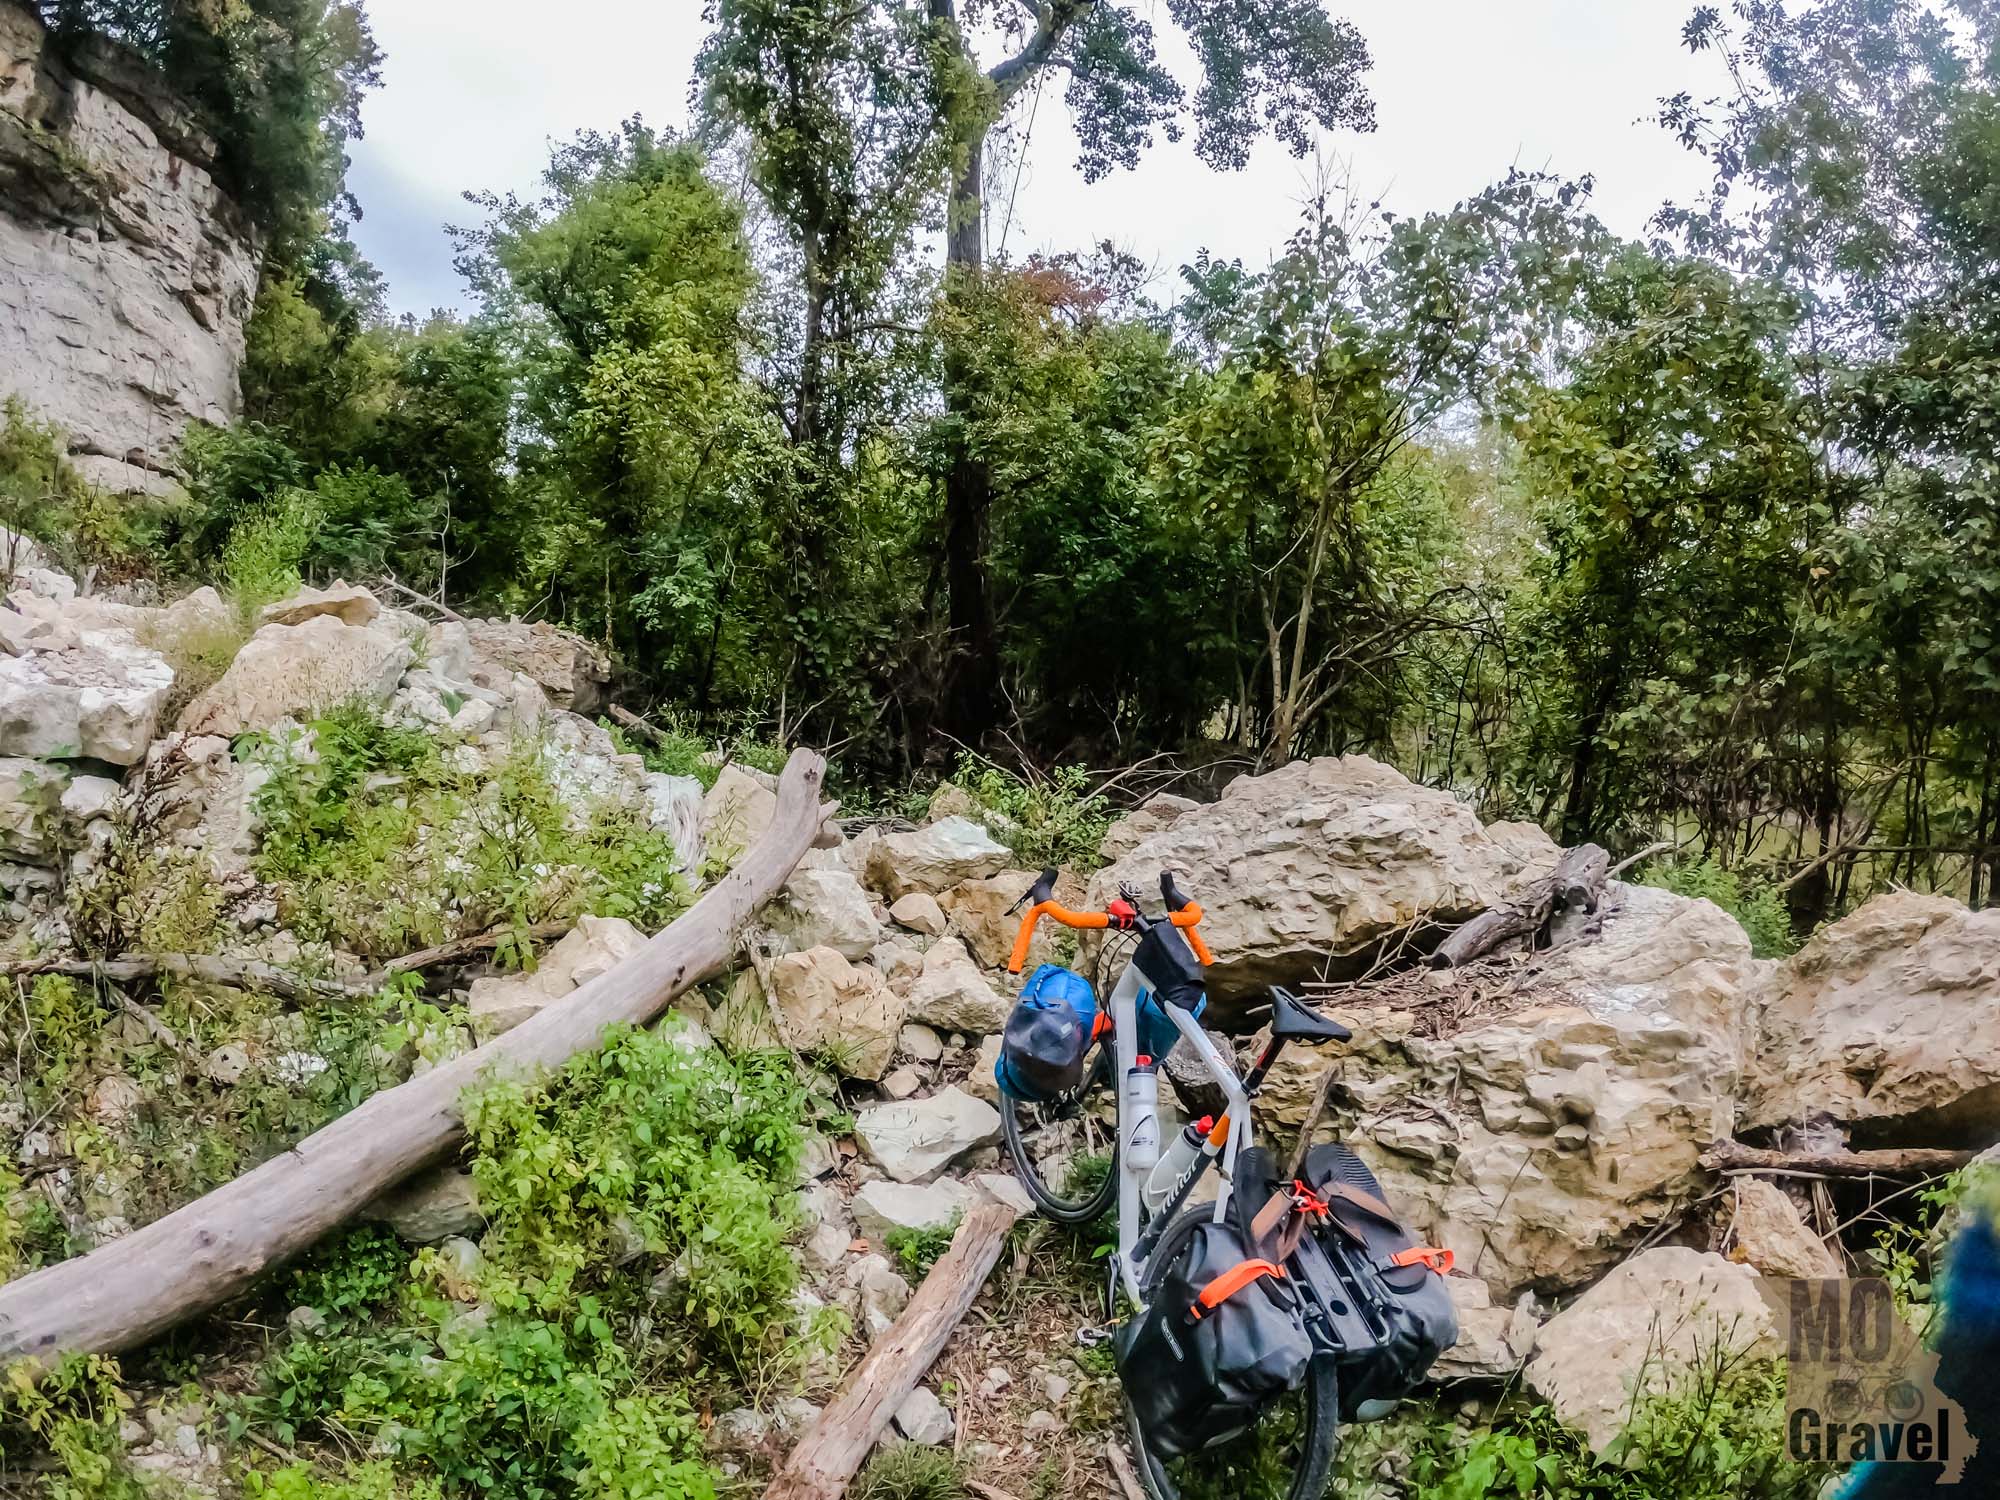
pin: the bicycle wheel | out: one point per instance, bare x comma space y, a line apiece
1288, 1455
1066, 1151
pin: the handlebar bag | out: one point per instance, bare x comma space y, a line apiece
1221, 1339
1398, 1283
1047, 1036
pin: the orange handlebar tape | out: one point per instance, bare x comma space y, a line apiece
1056, 913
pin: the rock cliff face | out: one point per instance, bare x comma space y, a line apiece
126, 273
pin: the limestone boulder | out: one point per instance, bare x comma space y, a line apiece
1153, 816
431, 1207
1493, 1341
934, 858
981, 911
979, 1080
736, 810
916, 1139
845, 1010
919, 912
567, 667
952, 994
297, 672
595, 946
341, 599
31, 796
1889, 1021
884, 1206
1769, 1234
824, 908
1318, 857
95, 693
922, 1418
1643, 1334
1538, 1122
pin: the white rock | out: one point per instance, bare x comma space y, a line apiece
1890, 1016
1157, 813
1643, 1333
100, 698
1056, 1387
883, 1292
432, 1207
980, 1082
226, 1065
595, 946
915, 1140
736, 811
952, 995
1493, 1341
30, 806
901, 1083
919, 911
878, 1207
983, 912
1768, 1234
563, 665
824, 908
846, 1010
341, 599
89, 798
1003, 1187
919, 1041
934, 859
297, 672
1316, 857
922, 1418
121, 307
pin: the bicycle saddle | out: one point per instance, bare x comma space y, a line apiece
1292, 1020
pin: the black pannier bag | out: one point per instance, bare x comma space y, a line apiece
1221, 1339
1047, 1036
1395, 1285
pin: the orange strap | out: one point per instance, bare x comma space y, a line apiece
1232, 1281
1185, 919
1438, 1260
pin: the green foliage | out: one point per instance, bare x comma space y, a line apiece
43, 498
917, 1250
376, 1480
73, 1411
909, 1471
1721, 1438
1052, 819
348, 841
1756, 905
267, 548
279, 82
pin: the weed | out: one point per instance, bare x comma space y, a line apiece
1053, 819
73, 1410
1756, 904
910, 1471
267, 547
917, 1250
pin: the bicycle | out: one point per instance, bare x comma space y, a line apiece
1092, 1161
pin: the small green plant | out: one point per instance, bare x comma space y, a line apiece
73, 1411
1053, 819
910, 1471
917, 1250
267, 547
1756, 904
370, 1481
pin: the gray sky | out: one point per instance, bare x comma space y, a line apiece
475, 90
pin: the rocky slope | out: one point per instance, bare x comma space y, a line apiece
125, 273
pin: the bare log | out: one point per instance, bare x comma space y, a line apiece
639, 726
1734, 1156
199, 967
124, 1293
832, 1451
1576, 883
465, 947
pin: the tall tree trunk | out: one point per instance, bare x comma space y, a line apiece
972, 682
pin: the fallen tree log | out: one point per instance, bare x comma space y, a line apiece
834, 1447
1576, 883
124, 1293
1912, 1161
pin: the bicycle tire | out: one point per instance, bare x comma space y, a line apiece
1321, 1393
1055, 1204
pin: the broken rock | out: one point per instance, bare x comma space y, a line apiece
297, 672
1769, 1235
916, 1139
1642, 1333
919, 911
934, 859
824, 908
341, 599
845, 1010
430, 1208
880, 1207
99, 697
952, 995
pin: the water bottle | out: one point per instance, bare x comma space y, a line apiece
1142, 1117
1173, 1165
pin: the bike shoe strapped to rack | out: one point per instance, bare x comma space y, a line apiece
1220, 1340
1371, 1265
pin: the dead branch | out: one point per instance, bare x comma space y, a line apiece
1734, 1156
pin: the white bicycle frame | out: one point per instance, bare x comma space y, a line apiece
1125, 1055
